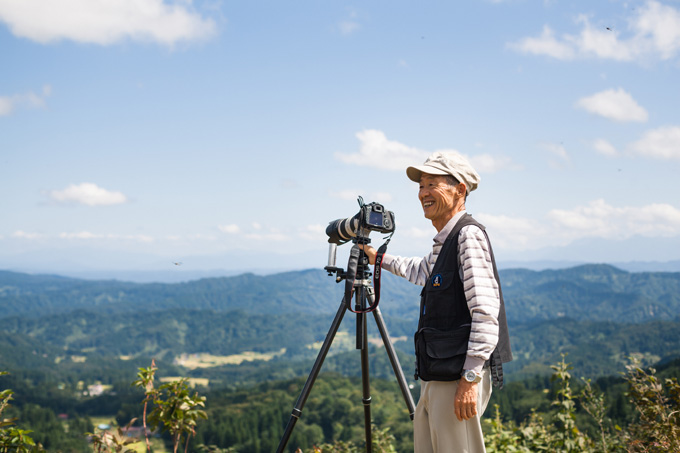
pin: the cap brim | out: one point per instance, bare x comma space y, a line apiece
416, 172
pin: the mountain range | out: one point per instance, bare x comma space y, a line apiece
598, 314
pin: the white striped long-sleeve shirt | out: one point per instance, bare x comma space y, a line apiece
476, 273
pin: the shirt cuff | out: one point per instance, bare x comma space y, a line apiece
475, 364
387, 262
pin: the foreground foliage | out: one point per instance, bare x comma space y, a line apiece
575, 418
655, 427
11, 437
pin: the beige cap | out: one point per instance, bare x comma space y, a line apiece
446, 163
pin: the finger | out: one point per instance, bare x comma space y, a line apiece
458, 410
471, 411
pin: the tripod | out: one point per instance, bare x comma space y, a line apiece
363, 292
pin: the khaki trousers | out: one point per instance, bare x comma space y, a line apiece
435, 426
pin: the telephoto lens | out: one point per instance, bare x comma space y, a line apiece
342, 230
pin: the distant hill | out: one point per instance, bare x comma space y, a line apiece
588, 292
594, 348
597, 313
302, 291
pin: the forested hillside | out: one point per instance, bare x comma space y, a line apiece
593, 312
591, 292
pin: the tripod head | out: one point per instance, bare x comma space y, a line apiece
362, 272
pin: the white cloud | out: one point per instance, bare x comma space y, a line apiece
347, 27
104, 21
617, 105
558, 150
661, 143
599, 219
229, 229
513, 232
86, 235
603, 147
545, 44
653, 32
350, 24
20, 234
81, 235
88, 194
273, 236
313, 233
377, 151
658, 27
259, 232
28, 100
600, 43
6, 106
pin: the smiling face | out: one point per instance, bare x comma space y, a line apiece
440, 200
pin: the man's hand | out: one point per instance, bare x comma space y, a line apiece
370, 252
465, 401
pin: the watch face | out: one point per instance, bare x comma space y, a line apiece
471, 376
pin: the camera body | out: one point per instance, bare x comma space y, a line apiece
373, 216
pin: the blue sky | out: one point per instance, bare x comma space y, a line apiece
140, 133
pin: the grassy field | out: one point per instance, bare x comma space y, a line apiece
204, 360
193, 382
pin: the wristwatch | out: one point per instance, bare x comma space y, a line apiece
471, 376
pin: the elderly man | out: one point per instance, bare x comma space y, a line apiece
462, 337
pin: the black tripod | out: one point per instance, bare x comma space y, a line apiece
363, 292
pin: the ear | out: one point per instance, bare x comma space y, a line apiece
461, 190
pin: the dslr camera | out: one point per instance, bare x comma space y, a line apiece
371, 217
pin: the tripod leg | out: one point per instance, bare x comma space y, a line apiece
365, 381
394, 360
366, 399
316, 368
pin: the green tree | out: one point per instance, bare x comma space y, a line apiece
175, 410
13, 439
657, 426
568, 438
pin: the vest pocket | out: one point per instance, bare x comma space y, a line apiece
440, 354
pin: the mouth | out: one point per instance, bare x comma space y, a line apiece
427, 204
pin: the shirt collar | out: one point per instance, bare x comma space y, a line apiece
441, 236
